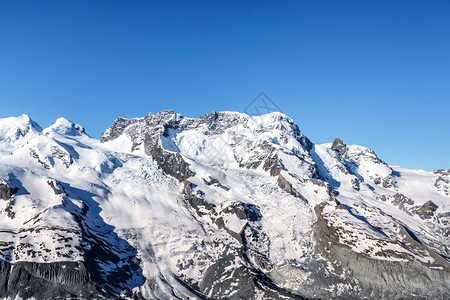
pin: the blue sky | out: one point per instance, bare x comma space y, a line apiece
374, 73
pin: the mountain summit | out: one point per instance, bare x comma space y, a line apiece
225, 206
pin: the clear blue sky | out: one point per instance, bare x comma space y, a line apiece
374, 73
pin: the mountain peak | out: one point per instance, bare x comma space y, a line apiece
339, 146
65, 127
14, 128
273, 126
180, 198
24, 118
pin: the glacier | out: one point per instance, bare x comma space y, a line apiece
224, 206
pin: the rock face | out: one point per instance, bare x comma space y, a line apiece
26, 280
427, 210
6, 191
225, 206
380, 278
339, 146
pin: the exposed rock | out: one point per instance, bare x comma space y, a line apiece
117, 129
264, 154
42, 162
380, 279
251, 281
57, 188
195, 200
243, 211
272, 164
6, 191
170, 163
9, 209
287, 186
426, 211
62, 155
442, 184
332, 193
339, 146
390, 182
442, 172
68, 280
402, 201
215, 182
231, 231
355, 183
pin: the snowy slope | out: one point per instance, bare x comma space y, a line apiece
16, 131
223, 206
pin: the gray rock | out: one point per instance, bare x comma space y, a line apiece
170, 163
442, 172
402, 202
6, 191
56, 187
382, 279
287, 186
48, 281
214, 182
196, 200
355, 184
442, 184
339, 146
389, 182
426, 211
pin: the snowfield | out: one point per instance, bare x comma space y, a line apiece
226, 206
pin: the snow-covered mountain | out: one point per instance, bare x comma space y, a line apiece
226, 206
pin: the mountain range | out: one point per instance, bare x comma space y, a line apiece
224, 206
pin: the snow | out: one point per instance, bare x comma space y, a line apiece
132, 201
419, 185
13, 128
16, 131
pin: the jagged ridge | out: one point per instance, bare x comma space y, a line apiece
223, 206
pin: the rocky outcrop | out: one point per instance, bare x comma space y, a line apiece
66, 280
118, 128
6, 191
426, 211
356, 184
42, 161
442, 184
339, 146
214, 182
381, 279
195, 200
223, 279
389, 182
170, 163
56, 187
402, 201
272, 164
442, 172
287, 186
